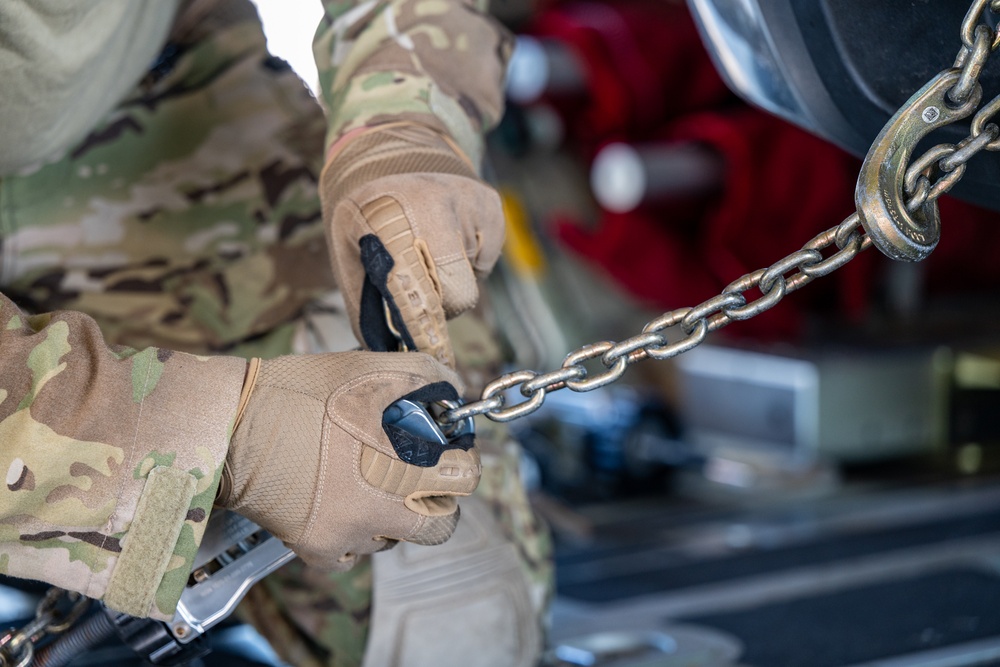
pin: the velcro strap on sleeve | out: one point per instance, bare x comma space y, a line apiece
159, 517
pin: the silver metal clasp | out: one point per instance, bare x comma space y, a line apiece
900, 233
418, 420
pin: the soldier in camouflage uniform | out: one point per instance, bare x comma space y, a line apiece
188, 223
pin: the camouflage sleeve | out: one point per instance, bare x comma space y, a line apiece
438, 62
112, 458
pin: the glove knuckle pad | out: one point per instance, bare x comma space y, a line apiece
457, 472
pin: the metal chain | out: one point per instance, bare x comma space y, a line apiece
658, 340
17, 646
945, 163
681, 330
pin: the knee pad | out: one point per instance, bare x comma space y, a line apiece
468, 602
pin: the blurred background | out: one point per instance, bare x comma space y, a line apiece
815, 486
818, 486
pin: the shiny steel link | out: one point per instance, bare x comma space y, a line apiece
850, 225
672, 319
772, 294
667, 320
595, 351
509, 381
917, 182
711, 312
744, 283
948, 181
796, 281
484, 406
553, 380
771, 282
837, 259
776, 272
924, 163
820, 242
638, 343
944, 162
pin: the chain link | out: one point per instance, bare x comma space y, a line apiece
968, 148
974, 18
926, 178
693, 325
57, 611
982, 117
971, 61
944, 162
949, 160
979, 41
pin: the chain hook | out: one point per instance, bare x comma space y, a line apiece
901, 234
896, 210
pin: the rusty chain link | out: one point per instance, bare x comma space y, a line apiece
678, 331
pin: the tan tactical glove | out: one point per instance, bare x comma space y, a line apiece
311, 461
410, 225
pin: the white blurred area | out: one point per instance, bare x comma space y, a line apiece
289, 26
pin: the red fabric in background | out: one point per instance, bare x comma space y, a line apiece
967, 259
650, 80
782, 187
644, 63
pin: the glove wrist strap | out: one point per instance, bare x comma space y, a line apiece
222, 496
249, 383
388, 150
338, 146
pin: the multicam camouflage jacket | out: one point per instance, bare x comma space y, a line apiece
187, 224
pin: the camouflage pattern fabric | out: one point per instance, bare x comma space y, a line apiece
313, 618
82, 427
437, 62
188, 220
480, 360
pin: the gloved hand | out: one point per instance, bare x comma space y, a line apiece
409, 226
311, 462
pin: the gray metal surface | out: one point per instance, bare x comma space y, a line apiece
669, 539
